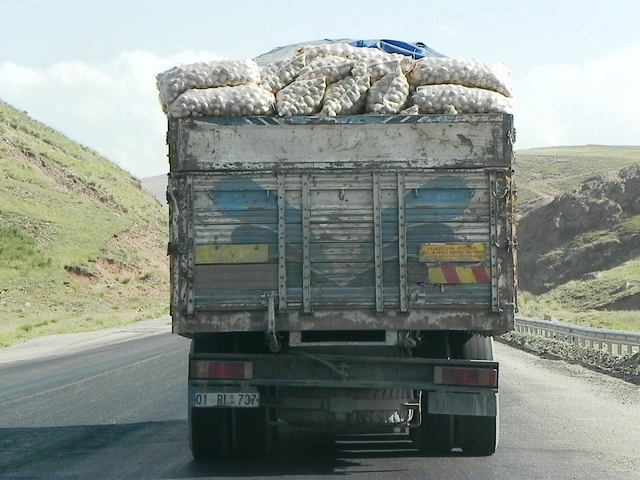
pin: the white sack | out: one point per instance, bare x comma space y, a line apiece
469, 73
223, 73
278, 75
453, 99
346, 97
240, 101
302, 97
389, 94
333, 68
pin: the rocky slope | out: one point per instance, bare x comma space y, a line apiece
594, 227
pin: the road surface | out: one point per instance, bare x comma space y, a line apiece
113, 405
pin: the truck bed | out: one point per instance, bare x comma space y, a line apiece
375, 223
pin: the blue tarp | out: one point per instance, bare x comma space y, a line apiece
415, 50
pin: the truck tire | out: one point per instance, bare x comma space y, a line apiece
479, 436
251, 436
434, 436
209, 433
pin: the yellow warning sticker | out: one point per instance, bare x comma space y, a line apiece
225, 254
452, 252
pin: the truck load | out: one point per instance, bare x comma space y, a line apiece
345, 271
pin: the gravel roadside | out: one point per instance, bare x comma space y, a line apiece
622, 366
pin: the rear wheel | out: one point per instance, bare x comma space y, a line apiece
209, 433
434, 436
252, 436
479, 435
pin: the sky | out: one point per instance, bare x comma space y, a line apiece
87, 68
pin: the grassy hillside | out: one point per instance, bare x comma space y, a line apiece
82, 245
608, 296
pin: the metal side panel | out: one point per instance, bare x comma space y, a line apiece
448, 239
342, 231
364, 142
180, 193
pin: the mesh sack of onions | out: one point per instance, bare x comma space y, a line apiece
278, 75
302, 97
451, 99
240, 101
223, 73
346, 96
469, 73
333, 68
389, 94
378, 67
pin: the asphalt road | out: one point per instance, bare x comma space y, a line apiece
114, 407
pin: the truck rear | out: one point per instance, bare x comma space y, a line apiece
346, 272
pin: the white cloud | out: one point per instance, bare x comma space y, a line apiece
595, 102
111, 107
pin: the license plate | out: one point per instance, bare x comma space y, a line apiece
226, 399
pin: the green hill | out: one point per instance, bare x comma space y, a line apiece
82, 245
579, 235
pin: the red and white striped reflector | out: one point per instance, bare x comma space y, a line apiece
458, 275
204, 369
474, 377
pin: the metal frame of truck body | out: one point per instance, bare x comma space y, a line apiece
408, 151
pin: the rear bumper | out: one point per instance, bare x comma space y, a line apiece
352, 372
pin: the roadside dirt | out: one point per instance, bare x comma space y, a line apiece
626, 367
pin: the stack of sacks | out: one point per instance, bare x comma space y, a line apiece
335, 79
227, 88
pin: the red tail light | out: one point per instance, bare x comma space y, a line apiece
475, 377
205, 369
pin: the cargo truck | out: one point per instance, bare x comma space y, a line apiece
346, 272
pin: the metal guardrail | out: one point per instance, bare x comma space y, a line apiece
618, 341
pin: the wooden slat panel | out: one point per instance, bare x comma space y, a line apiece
438, 199
246, 233
328, 214
231, 298
328, 181
351, 295
236, 277
236, 200
359, 233
343, 274
234, 183
446, 180
340, 252
257, 217
340, 198
446, 215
